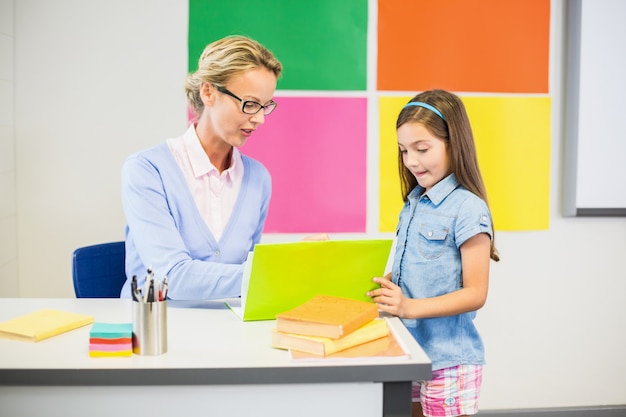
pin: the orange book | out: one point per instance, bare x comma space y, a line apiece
326, 316
386, 347
324, 346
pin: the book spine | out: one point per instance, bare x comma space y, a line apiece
365, 317
371, 331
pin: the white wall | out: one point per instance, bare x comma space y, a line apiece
95, 81
8, 207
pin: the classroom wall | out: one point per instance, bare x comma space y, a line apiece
95, 81
8, 208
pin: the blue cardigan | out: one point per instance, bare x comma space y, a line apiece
164, 229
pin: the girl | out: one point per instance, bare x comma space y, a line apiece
194, 205
445, 234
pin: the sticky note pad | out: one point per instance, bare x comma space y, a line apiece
110, 340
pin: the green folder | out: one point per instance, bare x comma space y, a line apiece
281, 276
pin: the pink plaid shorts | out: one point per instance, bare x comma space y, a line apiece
452, 391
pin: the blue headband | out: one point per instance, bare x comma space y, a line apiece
426, 106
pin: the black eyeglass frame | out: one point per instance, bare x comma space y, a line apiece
267, 109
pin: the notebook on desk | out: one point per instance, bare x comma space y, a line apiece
280, 276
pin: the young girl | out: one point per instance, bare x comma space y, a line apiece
445, 234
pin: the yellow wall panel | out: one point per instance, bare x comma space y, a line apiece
512, 136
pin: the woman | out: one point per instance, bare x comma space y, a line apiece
194, 205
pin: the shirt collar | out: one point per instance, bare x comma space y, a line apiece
200, 162
440, 191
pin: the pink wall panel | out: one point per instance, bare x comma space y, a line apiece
315, 150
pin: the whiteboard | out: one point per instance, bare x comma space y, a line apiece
595, 109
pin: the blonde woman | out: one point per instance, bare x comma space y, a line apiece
195, 205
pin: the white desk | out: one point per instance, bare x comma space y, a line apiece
216, 365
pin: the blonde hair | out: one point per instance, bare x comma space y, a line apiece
223, 59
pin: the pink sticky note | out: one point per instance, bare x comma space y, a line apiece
315, 150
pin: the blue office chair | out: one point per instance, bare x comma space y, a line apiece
98, 270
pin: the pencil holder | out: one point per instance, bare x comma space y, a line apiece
149, 328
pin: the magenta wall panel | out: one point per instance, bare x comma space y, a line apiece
315, 149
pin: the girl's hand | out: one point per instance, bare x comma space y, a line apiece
389, 297
387, 276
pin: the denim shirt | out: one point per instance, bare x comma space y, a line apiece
427, 263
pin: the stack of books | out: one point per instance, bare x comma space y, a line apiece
325, 325
110, 339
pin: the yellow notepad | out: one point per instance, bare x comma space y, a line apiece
42, 324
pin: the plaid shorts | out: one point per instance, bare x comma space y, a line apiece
452, 391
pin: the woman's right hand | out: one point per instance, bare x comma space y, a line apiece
316, 237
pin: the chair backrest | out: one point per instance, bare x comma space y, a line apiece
98, 271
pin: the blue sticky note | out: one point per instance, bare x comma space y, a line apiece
111, 330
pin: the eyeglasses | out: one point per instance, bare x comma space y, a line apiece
248, 106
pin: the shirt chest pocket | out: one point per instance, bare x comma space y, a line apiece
432, 240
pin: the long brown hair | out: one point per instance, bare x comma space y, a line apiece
455, 130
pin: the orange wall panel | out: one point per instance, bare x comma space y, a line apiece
464, 46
